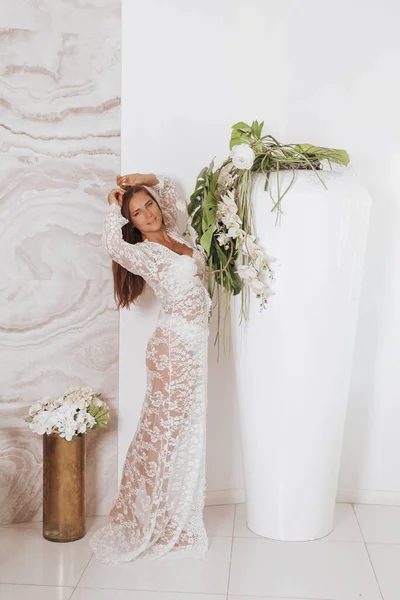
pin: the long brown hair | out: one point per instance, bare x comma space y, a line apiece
127, 286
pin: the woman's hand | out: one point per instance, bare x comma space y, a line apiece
125, 181
115, 197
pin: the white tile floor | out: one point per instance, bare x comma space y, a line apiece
360, 560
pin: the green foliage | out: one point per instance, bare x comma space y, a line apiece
246, 134
339, 157
203, 210
101, 415
270, 156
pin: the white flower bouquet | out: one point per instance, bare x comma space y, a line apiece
71, 415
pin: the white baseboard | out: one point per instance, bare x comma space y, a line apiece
235, 496
383, 497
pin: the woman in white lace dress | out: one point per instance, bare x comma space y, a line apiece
159, 507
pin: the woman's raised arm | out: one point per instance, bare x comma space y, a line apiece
127, 255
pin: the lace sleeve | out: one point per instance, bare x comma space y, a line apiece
169, 201
127, 255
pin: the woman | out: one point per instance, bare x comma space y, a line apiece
159, 507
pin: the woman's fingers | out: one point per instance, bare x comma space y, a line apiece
133, 179
119, 195
115, 196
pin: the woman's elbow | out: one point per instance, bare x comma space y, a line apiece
110, 247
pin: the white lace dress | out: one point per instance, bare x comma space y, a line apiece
159, 507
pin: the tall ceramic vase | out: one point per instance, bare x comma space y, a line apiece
293, 360
63, 488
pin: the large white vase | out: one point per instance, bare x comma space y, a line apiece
293, 361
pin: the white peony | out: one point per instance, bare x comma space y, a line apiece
242, 156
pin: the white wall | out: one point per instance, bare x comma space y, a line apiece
314, 72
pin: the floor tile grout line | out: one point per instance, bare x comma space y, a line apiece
367, 551
83, 572
260, 537
108, 589
233, 596
279, 597
230, 557
318, 541
234, 520
84, 587
358, 522
46, 585
162, 592
373, 569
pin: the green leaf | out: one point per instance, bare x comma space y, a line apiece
206, 238
256, 129
241, 134
235, 141
258, 148
223, 258
209, 210
242, 127
103, 414
340, 157
237, 283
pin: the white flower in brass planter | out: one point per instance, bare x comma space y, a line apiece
75, 413
63, 423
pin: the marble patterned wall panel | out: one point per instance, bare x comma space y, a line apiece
54, 334
59, 154
78, 16
51, 214
59, 93
20, 475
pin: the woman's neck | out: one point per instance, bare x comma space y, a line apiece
160, 236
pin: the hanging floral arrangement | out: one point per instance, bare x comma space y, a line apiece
221, 215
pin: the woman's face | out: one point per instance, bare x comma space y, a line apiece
145, 213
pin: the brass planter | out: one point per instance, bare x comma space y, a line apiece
63, 488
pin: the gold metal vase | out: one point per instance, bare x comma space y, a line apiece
63, 488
